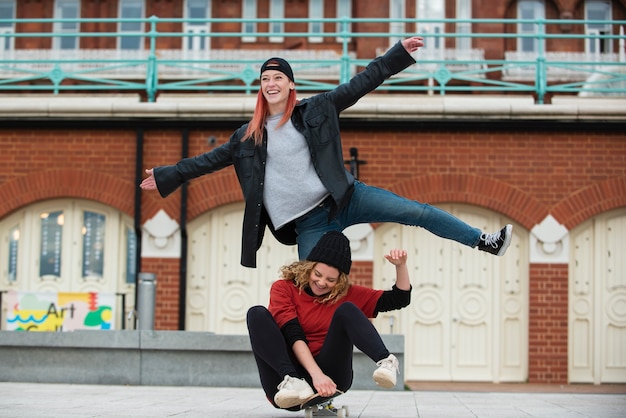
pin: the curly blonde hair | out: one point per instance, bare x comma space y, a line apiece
300, 271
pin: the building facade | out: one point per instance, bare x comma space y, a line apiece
72, 218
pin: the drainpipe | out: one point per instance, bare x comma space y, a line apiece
182, 290
137, 225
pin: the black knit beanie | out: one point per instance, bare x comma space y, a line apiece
277, 64
333, 249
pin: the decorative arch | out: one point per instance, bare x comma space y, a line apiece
591, 201
92, 185
481, 191
218, 189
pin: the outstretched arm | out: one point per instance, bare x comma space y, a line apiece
398, 259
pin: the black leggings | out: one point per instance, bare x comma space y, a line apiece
349, 327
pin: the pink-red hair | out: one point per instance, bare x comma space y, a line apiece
261, 112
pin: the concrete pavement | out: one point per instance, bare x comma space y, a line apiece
70, 400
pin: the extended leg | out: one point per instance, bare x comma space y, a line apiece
373, 204
349, 327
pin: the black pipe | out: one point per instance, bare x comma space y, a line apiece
138, 178
182, 307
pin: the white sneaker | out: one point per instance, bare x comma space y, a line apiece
385, 374
292, 392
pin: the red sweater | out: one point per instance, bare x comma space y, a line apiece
287, 303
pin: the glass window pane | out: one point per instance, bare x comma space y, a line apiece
249, 12
528, 45
316, 11
128, 42
131, 9
277, 12
131, 256
130, 26
197, 9
66, 9
93, 244
14, 240
68, 43
51, 240
7, 12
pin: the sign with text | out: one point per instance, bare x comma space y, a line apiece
42, 311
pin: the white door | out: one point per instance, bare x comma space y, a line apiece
469, 312
597, 300
219, 289
69, 245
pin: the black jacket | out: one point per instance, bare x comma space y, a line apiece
317, 118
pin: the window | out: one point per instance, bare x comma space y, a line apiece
396, 11
463, 12
131, 9
130, 255
64, 245
277, 12
316, 11
344, 9
50, 248
7, 11
249, 12
13, 241
529, 10
598, 10
431, 10
93, 232
197, 41
66, 9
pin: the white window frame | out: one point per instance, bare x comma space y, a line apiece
7, 43
59, 13
121, 29
463, 11
277, 12
597, 45
537, 9
344, 9
196, 42
249, 11
316, 11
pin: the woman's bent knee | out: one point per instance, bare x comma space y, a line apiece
256, 313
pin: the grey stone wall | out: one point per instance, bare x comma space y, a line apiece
160, 358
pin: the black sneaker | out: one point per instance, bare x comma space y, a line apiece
496, 243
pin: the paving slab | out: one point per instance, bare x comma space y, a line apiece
71, 400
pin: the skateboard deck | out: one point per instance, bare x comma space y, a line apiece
322, 406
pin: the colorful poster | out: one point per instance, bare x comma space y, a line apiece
39, 311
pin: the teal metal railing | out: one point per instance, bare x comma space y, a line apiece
153, 70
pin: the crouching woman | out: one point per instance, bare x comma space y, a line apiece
303, 342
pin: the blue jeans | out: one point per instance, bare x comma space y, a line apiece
372, 205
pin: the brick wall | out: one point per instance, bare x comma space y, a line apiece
547, 323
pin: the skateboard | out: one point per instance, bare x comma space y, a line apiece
321, 406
